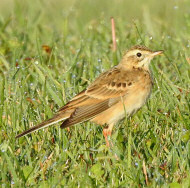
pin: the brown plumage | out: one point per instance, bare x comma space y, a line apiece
116, 93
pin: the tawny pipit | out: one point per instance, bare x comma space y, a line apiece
119, 91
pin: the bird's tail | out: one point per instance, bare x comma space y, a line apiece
57, 118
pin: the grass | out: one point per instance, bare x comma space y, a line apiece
51, 50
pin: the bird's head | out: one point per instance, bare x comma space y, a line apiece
139, 57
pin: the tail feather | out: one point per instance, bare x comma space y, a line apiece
57, 118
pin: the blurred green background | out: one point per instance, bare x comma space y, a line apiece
49, 51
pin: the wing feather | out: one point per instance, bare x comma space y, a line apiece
103, 93
86, 112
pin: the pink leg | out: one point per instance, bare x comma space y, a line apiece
106, 133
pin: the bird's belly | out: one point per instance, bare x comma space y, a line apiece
126, 107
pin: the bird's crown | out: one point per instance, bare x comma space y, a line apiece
140, 47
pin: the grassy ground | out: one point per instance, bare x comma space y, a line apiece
49, 51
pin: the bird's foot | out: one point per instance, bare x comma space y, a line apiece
107, 135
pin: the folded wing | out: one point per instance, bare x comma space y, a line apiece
105, 92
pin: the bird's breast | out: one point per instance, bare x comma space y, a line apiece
137, 98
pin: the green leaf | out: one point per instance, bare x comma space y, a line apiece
96, 170
42, 78
186, 136
27, 171
175, 185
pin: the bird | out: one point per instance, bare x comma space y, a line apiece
115, 94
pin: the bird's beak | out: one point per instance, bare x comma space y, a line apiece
157, 53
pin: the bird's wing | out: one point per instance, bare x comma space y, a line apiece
104, 92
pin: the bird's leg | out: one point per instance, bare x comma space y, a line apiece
107, 135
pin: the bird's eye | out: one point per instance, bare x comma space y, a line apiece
139, 54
